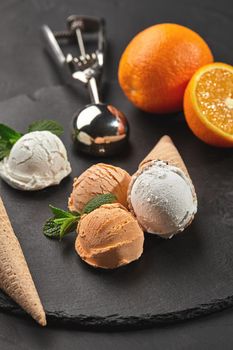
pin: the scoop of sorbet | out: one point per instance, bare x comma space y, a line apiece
99, 179
109, 237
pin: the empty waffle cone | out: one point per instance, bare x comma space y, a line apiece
15, 277
161, 195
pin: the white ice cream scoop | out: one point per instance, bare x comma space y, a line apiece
161, 193
162, 198
37, 160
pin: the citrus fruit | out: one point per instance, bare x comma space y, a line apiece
157, 65
208, 104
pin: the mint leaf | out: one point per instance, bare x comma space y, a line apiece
51, 229
46, 125
62, 223
8, 137
5, 148
59, 221
59, 213
9, 134
69, 225
58, 228
97, 201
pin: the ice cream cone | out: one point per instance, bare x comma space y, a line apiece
172, 179
165, 150
15, 277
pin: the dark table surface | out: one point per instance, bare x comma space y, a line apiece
24, 68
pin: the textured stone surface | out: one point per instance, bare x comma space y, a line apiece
176, 279
24, 68
117, 322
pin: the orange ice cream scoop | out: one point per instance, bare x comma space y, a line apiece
99, 179
109, 237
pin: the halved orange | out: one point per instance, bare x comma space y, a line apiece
208, 104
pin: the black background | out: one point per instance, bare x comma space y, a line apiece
24, 68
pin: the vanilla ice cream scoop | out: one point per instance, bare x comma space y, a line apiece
37, 160
161, 194
162, 199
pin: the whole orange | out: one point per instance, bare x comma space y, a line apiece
157, 65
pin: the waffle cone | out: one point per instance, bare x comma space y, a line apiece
15, 277
165, 150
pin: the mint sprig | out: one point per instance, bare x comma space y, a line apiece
61, 223
64, 222
9, 136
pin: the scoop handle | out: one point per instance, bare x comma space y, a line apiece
55, 52
52, 46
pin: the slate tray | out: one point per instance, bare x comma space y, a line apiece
187, 276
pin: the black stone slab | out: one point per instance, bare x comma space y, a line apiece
188, 276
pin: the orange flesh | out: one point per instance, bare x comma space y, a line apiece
214, 93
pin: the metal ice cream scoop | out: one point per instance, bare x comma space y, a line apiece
98, 129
